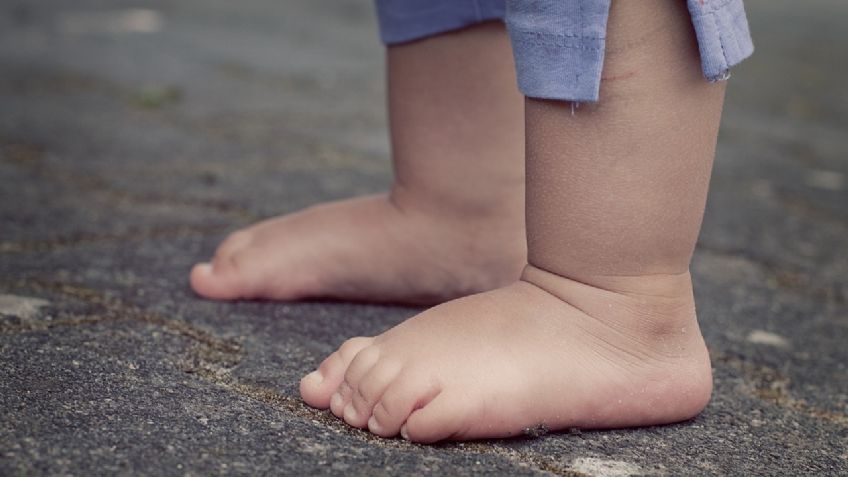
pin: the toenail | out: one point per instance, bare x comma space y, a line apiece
403, 432
314, 378
374, 426
336, 400
350, 413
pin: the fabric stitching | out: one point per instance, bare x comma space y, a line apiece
561, 35
725, 66
527, 41
579, 71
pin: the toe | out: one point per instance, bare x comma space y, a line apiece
405, 394
364, 360
359, 367
234, 242
369, 391
317, 387
215, 279
340, 399
224, 278
205, 282
442, 418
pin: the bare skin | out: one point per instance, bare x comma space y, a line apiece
452, 223
601, 330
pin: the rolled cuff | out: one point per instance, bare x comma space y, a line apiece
724, 39
558, 47
558, 67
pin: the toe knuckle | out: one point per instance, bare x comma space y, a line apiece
371, 389
369, 353
230, 263
344, 389
333, 360
350, 346
220, 260
238, 259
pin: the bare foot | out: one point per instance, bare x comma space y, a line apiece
454, 221
543, 352
378, 248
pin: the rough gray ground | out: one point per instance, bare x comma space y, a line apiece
132, 141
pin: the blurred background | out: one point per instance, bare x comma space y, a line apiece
196, 100
135, 134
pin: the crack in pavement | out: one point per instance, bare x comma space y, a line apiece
215, 367
110, 309
212, 359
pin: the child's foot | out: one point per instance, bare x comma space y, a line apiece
379, 248
454, 222
543, 353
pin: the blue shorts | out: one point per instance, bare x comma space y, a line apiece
559, 44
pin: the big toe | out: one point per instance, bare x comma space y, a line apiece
216, 283
317, 387
224, 277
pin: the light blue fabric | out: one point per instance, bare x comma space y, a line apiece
407, 20
559, 44
723, 37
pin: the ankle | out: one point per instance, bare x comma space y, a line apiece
503, 203
656, 307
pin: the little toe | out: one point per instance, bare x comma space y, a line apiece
442, 418
405, 394
317, 389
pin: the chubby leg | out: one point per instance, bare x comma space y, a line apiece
601, 329
453, 222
